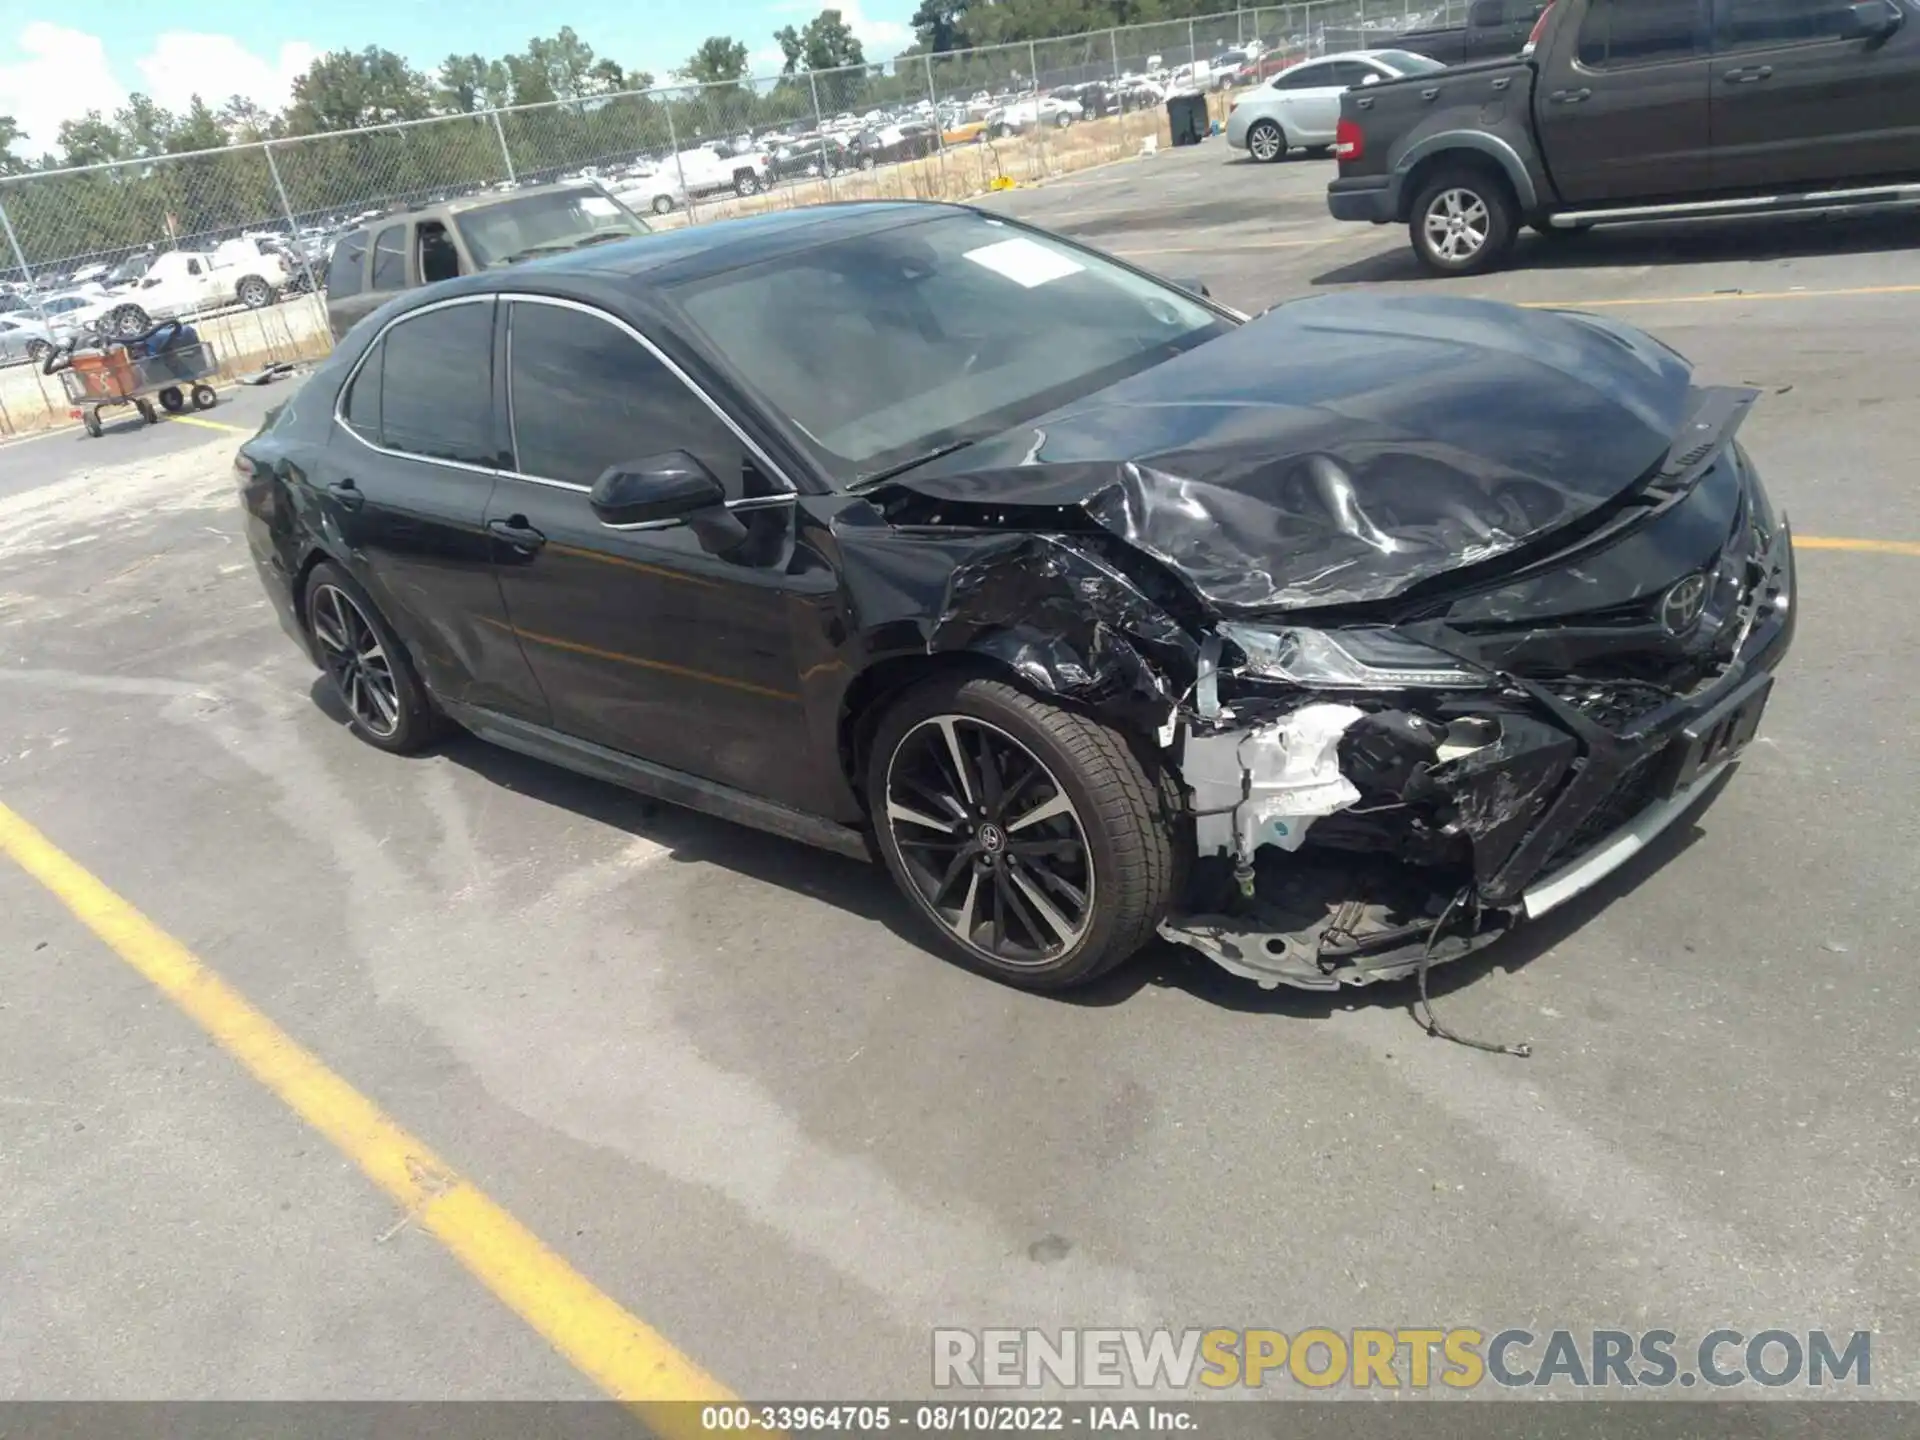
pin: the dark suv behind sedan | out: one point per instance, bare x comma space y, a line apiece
1330, 644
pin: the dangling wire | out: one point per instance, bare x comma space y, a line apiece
1423, 1012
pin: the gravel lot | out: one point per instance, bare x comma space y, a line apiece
717, 1073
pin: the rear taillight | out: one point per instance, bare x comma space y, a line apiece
1349, 143
1533, 40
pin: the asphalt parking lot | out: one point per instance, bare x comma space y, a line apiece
717, 1076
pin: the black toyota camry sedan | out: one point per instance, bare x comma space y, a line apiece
1331, 643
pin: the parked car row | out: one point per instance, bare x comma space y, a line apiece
130, 297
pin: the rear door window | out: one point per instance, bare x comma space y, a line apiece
1749, 24
436, 390
1305, 77
390, 259
346, 271
1620, 33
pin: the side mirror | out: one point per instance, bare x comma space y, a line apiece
1370, 80
1871, 20
1193, 285
672, 486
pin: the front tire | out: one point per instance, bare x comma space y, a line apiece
663, 204
1464, 223
1030, 838
744, 184
254, 293
366, 665
1267, 142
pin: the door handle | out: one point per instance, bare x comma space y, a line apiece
1748, 77
347, 494
518, 533
1570, 97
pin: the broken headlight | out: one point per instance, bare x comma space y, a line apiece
1350, 659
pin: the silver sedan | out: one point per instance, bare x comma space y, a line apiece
1300, 107
23, 338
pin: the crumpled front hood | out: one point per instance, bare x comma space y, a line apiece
1341, 449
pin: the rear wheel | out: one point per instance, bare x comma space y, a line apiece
1266, 141
90, 417
254, 293
369, 671
204, 397
663, 204
1029, 837
172, 401
1464, 222
744, 184
147, 412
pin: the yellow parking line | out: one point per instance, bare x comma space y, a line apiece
1729, 297
208, 424
1873, 547
627, 1358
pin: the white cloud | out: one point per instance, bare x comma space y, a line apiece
63, 73
183, 64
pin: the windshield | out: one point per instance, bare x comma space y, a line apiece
1406, 62
545, 224
130, 269
887, 348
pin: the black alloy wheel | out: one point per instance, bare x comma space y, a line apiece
369, 670
991, 840
1030, 836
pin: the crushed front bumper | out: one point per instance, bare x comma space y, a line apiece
1562, 802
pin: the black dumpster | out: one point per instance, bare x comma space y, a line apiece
1187, 118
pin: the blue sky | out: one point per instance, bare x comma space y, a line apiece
56, 63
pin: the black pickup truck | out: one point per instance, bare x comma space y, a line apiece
1495, 30
1630, 110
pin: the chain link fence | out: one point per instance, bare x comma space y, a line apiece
76, 243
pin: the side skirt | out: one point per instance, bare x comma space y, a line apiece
674, 786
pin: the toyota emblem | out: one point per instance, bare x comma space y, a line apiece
1683, 605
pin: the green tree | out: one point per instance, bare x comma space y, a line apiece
941, 24
145, 125
198, 129
346, 89
90, 140
826, 43
245, 120
721, 60
10, 135
471, 82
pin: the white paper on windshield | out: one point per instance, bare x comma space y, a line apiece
598, 205
1024, 262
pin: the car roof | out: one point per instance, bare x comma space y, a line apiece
1347, 55
694, 251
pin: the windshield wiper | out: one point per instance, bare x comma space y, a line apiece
862, 482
